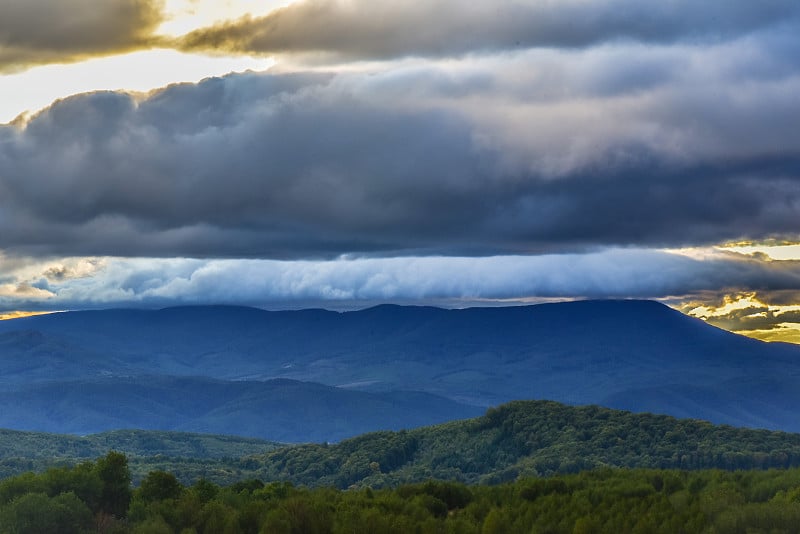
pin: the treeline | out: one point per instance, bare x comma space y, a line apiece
529, 438
97, 497
41, 445
188, 455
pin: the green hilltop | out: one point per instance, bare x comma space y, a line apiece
530, 438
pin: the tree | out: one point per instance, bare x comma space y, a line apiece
116, 479
36, 513
158, 486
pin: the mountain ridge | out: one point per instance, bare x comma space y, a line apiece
631, 354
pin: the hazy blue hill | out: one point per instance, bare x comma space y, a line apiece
758, 401
279, 410
636, 355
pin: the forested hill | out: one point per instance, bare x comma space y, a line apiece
530, 438
522, 438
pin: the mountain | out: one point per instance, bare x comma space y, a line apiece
635, 355
279, 410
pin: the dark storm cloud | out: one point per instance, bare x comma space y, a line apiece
46, 31
369, 29
531, 153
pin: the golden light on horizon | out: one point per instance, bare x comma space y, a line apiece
11, 315
788, 333
749, 315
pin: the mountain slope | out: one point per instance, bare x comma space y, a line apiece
636, 355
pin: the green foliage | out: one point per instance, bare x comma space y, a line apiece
159, 486
74, 500
530, 438
37, 513
102, 487
113, 472
523, 467
26, 451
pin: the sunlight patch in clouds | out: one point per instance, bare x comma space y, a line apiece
730, 303
750, 314
25, 291
183, 16
144, 71
781, 251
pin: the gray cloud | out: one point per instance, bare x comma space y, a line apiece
544, 151
47, 31
369, 29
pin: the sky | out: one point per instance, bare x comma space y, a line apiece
343, 153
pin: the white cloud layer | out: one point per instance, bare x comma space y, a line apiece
453, 281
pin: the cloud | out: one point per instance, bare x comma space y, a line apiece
545, 151
347, 282
24, 292
52, 31
56, 31
766, 314
756, 319
369, 29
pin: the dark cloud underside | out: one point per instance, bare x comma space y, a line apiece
310, 165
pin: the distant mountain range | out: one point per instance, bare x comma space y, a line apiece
211, 369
